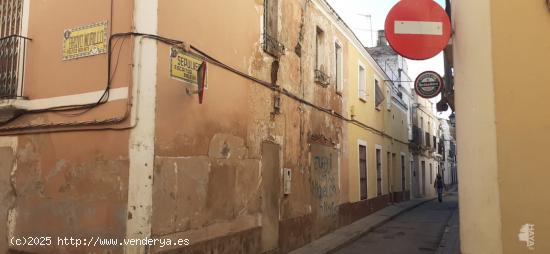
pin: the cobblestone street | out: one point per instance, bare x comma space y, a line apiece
417, 231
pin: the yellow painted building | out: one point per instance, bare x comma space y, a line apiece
501, 55
378, 160
424, 148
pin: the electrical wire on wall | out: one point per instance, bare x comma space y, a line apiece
84, 108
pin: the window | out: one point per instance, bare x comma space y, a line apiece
379, 96
271, 27
363, 171
427, 137
338, 54
320, 68
435, 142
388, 95
319, 49
12, 48
378, 172
422, 142
362, 84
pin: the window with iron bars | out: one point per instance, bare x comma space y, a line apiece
12, 49
271, 44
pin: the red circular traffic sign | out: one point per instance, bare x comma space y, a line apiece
418, 29
428, 84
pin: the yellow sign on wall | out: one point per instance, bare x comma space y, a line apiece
85, 41
184, 66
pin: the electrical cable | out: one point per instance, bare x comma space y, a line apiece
172, 42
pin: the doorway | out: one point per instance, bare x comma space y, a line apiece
271, 189
423, 178
378, 172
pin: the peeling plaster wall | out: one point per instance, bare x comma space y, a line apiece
71, 183
207, 169
63, 189
7, 193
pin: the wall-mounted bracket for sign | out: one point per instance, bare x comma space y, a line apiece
428, 84
201, 82
189, 68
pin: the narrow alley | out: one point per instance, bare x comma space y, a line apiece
274, 127
417, 231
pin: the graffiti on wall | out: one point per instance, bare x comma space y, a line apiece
324, 184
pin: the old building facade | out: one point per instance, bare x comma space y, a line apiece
102, 136
424, 147
377, 136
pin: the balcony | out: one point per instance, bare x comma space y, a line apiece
12, 66
322, 78
416, 143
272, 46
12, 71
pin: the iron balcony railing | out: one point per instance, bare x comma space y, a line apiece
12, 65
321, 77
416, 143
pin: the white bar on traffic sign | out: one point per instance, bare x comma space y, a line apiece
418, 27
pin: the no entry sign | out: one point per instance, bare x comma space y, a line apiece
418, 29
428, 84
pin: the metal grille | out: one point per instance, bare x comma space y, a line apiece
12, 47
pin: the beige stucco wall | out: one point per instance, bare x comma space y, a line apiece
501, 72
479, 177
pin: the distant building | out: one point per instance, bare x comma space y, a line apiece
447, 149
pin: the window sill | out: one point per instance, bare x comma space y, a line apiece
10, 108
323, 84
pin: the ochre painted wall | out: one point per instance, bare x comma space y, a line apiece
521, 85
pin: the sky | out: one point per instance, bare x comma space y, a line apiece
354, 13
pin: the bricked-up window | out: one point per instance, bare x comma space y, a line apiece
11, 47
363, 171
362, 84
271, 28
319, 49
321, 76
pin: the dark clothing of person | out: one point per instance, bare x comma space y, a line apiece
440, 186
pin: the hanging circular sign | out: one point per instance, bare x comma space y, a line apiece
428, 84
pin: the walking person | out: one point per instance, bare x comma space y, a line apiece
439, 185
